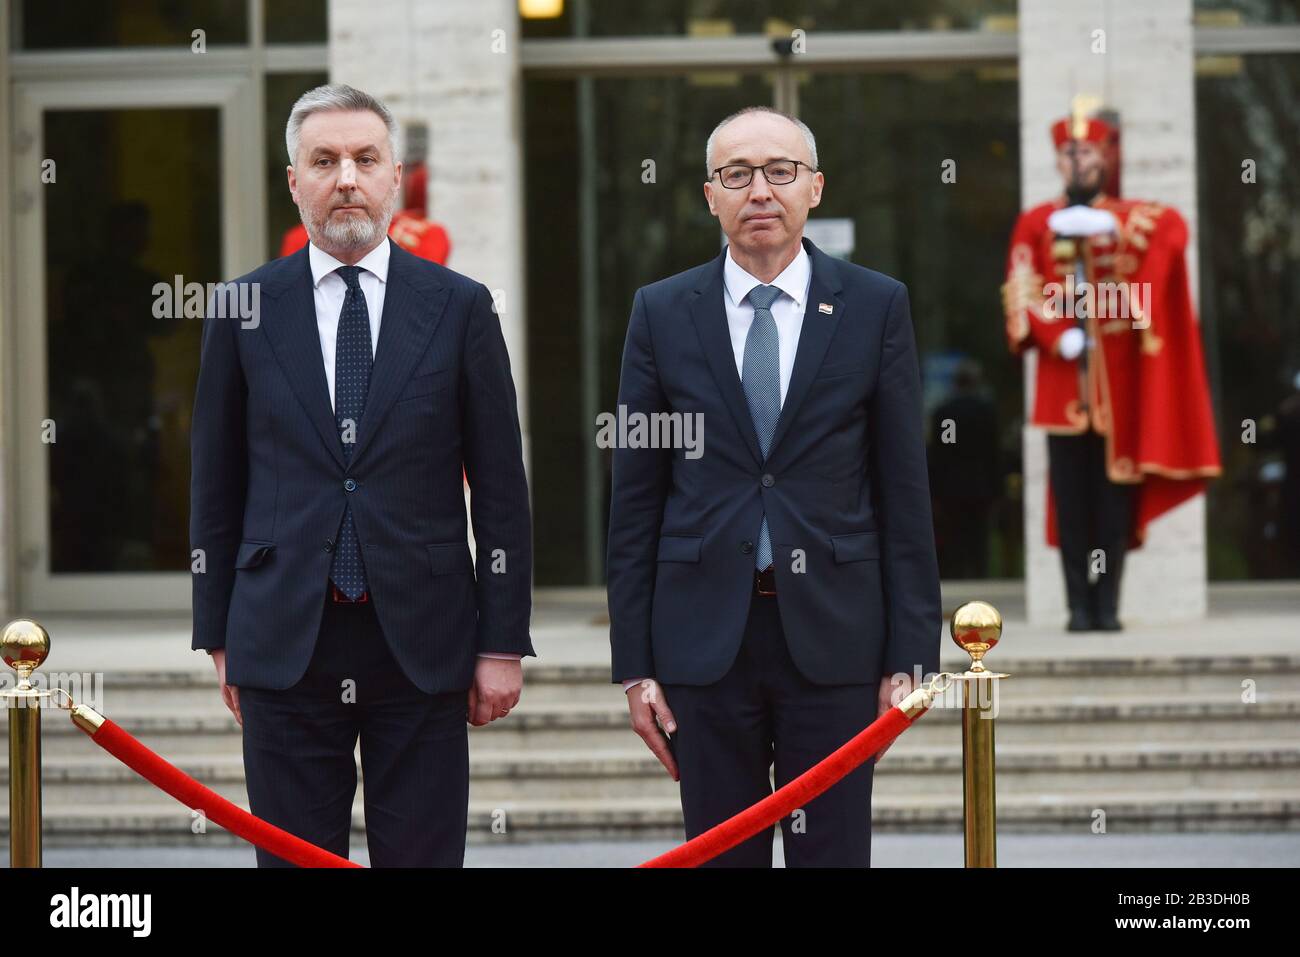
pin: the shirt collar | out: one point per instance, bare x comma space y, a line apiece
793, 280
322, 263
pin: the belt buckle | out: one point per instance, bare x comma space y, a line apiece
766, 577
343, 599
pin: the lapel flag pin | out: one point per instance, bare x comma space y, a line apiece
825, 307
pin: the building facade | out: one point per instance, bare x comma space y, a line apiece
143, 144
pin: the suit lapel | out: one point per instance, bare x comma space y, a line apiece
295, 340
814, 337
413, 305
709, 312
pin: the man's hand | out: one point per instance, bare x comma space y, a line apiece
892, 691
647, 703
498, 683
229, 693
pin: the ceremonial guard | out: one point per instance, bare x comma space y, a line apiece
1098, 285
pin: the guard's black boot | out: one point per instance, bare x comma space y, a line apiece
1108, 597
1080, 620
1075, 567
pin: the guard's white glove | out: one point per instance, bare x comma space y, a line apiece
1071, 343
1082, 221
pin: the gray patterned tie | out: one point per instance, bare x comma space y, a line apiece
352, 361
761, 378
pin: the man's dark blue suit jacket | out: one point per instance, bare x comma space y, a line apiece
269, 480
844, 486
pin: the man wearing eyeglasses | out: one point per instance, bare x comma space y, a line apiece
770, 597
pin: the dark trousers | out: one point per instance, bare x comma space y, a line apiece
299, 751
762, 713
1091, 512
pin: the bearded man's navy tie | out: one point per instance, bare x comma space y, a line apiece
352, 361
760, 375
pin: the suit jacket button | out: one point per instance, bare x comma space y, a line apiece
768, 481
329, 544
350, 485
746, 547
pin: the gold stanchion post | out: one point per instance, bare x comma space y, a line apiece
24, 645
976, 627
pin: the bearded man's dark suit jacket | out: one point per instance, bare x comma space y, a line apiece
844, 488
270, 481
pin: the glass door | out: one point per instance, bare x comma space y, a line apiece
132, 195
923, 183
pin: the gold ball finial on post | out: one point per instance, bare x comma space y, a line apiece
24, 645
976, 627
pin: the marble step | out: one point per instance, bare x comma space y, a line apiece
1126, 811
1035, 678
540, 775
577, 726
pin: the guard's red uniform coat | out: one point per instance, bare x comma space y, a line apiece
1146, 389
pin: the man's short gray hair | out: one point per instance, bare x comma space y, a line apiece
803, 128
334, 96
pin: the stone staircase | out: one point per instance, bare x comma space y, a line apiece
1149, 743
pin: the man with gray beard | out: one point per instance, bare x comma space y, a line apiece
333, 582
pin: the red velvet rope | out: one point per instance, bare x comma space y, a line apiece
167, 777
191, 793
796, 794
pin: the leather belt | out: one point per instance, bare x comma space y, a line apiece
765, 581
343, 599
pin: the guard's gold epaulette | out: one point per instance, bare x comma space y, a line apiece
1141, 221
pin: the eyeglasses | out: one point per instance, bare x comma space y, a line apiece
777, 173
